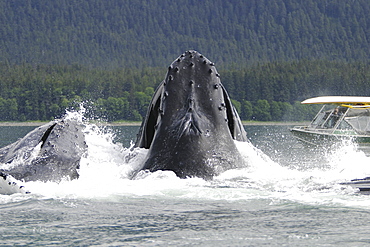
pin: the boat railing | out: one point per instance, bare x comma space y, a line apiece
341, 118
300, 127
311, 129
316, 118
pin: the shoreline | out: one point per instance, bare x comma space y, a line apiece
249, 123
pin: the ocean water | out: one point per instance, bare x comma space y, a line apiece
288, 195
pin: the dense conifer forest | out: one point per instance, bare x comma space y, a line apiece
112, 54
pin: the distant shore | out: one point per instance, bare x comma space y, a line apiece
123, 123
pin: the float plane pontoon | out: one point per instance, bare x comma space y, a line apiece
340, 118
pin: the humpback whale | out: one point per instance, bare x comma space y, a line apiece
191, 123
190, 128
50, 152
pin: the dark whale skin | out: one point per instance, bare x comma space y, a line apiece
191, 123
62, 145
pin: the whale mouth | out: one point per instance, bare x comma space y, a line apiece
46, 134
189, 125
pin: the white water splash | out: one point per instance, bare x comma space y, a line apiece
106, 170
105, 173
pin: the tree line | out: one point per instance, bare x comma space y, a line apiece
264, 92
111, 54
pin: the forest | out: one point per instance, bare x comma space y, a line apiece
112, 54
266, 92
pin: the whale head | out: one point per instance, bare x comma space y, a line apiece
191, 123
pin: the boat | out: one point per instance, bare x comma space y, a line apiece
363, 185
340, 118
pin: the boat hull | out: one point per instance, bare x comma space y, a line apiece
363, 185
313, 137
